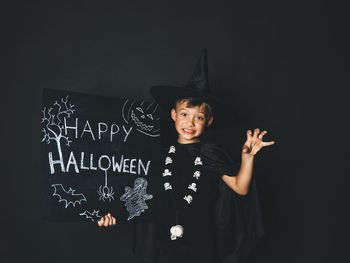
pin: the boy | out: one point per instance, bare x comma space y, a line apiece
191, 117
191, 225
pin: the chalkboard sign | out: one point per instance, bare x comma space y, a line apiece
98, 155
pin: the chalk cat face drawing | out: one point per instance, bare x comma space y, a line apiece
143, 116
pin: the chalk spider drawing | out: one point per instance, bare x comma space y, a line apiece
135, 198
143, 116
105, 193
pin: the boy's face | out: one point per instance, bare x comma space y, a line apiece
189, 122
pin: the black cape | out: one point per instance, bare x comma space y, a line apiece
238, 219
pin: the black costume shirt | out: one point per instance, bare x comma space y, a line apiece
214, 210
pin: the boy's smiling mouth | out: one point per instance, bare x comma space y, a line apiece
187, 131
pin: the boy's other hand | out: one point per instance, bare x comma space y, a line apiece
107, 220
255, 142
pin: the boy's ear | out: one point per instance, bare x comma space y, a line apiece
173, 114
210, 121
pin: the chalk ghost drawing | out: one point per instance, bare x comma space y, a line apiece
135, 198
69, 197
94, 216
143, 116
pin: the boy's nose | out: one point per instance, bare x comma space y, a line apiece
191, 121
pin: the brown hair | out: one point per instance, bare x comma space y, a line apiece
193, 102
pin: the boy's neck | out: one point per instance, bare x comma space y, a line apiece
187, 142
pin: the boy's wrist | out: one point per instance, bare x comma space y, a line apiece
247, 157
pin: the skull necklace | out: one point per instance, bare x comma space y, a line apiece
178, 230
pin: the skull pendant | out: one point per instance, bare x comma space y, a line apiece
176, 231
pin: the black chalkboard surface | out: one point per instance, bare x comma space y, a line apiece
98, 155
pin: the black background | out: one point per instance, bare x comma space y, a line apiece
281, 65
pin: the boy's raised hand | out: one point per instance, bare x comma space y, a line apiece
254, 142
107, 220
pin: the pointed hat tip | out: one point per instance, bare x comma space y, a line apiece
199, 78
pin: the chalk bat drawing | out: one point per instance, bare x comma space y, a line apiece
105, 192
52, 126
94, 216
142, 115
135, 198
69, 197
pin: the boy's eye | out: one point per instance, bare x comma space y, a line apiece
139, 109
200, 118
183, 114
150, 116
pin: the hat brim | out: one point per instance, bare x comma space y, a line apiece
166, 97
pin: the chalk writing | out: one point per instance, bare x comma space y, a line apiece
100, 129
119, 164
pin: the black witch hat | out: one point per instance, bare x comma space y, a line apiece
197, 87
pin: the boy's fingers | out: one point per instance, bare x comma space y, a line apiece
249, 135
256, 132
261, 135
100, 222
107, 220
268, 143
106, 223
110, 217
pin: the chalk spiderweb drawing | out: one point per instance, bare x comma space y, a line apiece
143, 116
135, 198
69, 197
